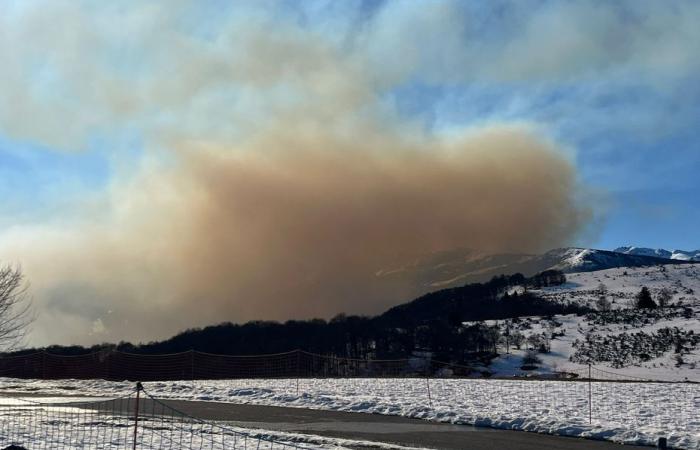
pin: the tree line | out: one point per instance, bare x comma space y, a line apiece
447, 323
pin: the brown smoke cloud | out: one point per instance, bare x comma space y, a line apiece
283, 204
296, 226
300, 232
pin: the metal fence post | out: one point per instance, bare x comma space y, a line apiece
139, 388
107, 356
590, 397
298, 371
430, 399
192, 367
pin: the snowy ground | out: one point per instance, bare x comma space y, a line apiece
572, 328
620, 288
623, 283
633, 413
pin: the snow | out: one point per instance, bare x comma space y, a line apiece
69, 423
683, 255
643, 251
631, 413
575, 328
621, 286
576, 257
627, 281
693, 255
573, 259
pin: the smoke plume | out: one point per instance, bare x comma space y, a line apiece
281, 204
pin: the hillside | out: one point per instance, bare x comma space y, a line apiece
556, 320
663, 344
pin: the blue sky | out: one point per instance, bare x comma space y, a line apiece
591, 74
639, 147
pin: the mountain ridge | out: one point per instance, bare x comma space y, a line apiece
458, 267
679, 255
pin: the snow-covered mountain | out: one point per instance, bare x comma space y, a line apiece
682, 255
462, 266
575, 260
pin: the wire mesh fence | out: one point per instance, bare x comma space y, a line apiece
135, 421
33, 424
195, 365
587, 397
116, 365
154, 421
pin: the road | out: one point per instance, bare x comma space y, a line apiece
362, 426
382, 428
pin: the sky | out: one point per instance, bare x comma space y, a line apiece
148, 150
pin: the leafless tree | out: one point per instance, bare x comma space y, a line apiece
664, 297
517, 339
602, 289
15, 307
603, 304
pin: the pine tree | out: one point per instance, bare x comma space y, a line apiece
644, 300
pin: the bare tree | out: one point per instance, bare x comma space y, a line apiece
664, 297
603, 304
15, 307
602, 289
517, 339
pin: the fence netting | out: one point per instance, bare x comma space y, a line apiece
585, 398
654, 409
133, 421
116, 365
195, 365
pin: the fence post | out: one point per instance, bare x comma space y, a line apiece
430, 400
139, 388
590, 397
192, 367
298, 371
108, 356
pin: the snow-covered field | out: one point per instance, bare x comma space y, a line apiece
571, 328
622, 412
623, 283
630, 343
